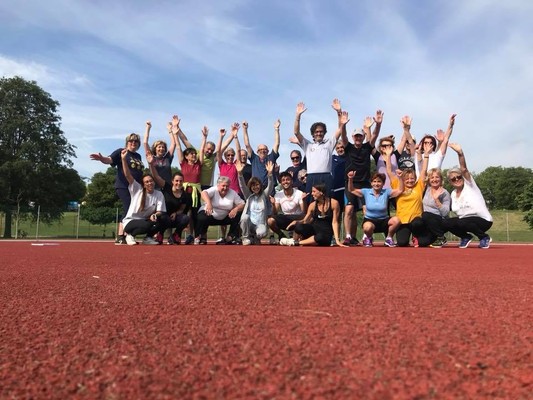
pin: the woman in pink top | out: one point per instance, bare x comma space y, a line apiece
191, 167
227, 167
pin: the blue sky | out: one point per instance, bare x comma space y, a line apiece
114, 65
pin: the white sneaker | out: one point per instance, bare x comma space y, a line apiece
246, 242
288, 242
150, 240
197, 241
130, 240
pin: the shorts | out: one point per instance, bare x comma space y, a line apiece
380, 225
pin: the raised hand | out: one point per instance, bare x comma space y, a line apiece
148, 125
387, 152
406, 121
344, 119
269, 166
368, 122
222, 132
452, 119
169, 127
456, 147
149, 157
428, 147
96, 156
245, 124
440, 135
336, 105
300, 108
277, 124
175, 124
293, 140
351, 174
239, 165
123, 153
235, 129
205, 131
379, 117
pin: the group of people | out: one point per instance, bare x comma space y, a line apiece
329, 180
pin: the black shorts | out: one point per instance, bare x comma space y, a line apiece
282, 220
380, 225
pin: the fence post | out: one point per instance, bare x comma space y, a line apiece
38, 218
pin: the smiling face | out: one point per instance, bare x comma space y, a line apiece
377, 184
177, 182
223, 188
148, 183
229, 156
243, 156
409, 179
435, 180
339, 148
296, 158
358, 140
262, 151
317, 194
190, 156
286, 182
160, 149
385, 144
456, 180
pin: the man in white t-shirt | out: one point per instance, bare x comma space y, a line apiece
289, 206
221, 206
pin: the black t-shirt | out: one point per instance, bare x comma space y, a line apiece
174, 203
405, 160
358, 160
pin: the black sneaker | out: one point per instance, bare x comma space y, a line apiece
121, 239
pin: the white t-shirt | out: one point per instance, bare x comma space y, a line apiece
318, 155
471, 202
152, 202
222, 205
290, 205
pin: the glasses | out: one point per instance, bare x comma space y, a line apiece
428, 142
262, 150
295, 158
134, 141
386, 145
230, 155
456, 178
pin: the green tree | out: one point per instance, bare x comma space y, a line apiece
525, 202
502, 186
35, 156
100, 202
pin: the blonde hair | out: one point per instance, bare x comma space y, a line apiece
133, 136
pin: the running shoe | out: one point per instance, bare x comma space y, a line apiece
463, 244
189, 239
438, 243
159, 237
197, 241
354, 242
389, 242
220, 241
150, 240
121, 239
130, 240
368, 241
201, 241
272, 241
347, 241
288, 242
484, 243
414, 240
246, 242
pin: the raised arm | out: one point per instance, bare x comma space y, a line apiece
428, 149
269, 166
336, 105
351, 188
175, 122
125, 166
153, 170
246, 138
367, 124
300, 109
219, 146
173, 138
181, 158
242, 184
146, 137
462, 160
446, 136
387, 152
406, 124
343, 120
378, 119
277, 124
101, 158
205, 132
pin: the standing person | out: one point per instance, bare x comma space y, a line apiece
177, 201
147, 212
318, 152
228, 167
436, 204
436, 157
297, 164
253, 222
377, 217
162, 156
468, 203
260, 159
289, 205
243, 158
358, 156
405, 154
134, 166
320, 224
221, 206
191, 167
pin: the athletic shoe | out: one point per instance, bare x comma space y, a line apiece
159, 237
389, 242
176, 239
130, 240
288, 242
150, 240
189, 239
235, 241
484, 243
354, 242
246, 242
196, 241
272, 241
347, 241
121, 239
438, 243
463, 244
201, 241
368, 242
415, 241
221, 241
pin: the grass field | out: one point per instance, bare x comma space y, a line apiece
508, 226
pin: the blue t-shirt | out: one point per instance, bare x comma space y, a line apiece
135, 163
258, 166
376, 207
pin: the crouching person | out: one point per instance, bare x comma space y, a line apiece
221, 206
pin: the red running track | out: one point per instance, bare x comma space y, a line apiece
93, 320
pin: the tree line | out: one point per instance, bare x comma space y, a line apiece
36, 166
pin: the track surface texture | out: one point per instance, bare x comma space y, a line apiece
98, 321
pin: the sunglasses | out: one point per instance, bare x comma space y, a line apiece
134, 141
230, 155
295, 158
386, 145
456, 178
